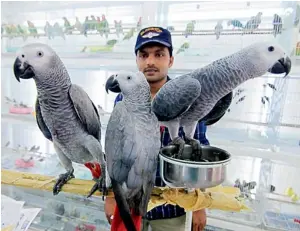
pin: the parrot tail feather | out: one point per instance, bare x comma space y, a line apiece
118, 224
122, 214
137, 220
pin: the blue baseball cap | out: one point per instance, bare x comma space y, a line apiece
153, 34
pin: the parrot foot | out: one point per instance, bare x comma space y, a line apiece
101, 186
197, 150
63, 178
178, 141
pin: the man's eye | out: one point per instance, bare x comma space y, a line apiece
143, 56
159, 55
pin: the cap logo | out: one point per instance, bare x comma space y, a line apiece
150, 35
152, 29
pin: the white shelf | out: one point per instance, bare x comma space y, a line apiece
18, 118
230, 225
235, 148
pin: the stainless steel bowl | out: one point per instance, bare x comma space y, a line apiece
178, 173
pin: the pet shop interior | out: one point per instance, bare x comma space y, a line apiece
58, 61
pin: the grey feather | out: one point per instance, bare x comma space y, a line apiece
65, 114
132, 143
218, 111
215, 80
40, 121
86, 110
187, 91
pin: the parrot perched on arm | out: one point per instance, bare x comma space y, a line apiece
132, 145
187, 99
64, 112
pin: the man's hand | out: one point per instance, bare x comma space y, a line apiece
199, 220
109, 208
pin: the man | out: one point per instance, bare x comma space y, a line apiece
154, 57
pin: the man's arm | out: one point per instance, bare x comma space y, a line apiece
199, 217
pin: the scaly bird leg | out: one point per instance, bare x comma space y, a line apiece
63, 179
173, 128
189, 131
179, 142
99, 185
99, 176
196, 146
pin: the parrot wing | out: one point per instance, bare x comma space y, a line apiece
120, 148
175, 97
40, 121
86, 110
218, 110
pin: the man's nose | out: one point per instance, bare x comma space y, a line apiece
150, 60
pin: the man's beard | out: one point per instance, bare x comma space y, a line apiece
156, 80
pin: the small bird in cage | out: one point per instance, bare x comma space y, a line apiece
272, 86
48, 29
32, 29
277, 25
119, 28
218, 29
7, 144
238, 92
78, 26
67, 25
253, 23
264, 99
241, 99
93, 23
58, 31
190, 27
235, 23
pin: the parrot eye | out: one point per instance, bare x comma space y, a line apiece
271, 48
128, 77
40, 54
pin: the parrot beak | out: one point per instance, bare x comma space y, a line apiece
283, 65
112, 85
22, 70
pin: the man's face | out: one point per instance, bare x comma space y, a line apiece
154, 61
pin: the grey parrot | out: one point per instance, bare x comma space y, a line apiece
64, 113
132, 145
187, 99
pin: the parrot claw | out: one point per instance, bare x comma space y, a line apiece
63, 178
180, 143
99, 185
197, 150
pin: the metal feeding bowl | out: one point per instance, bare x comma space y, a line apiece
208, 172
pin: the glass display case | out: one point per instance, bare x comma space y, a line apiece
95, 39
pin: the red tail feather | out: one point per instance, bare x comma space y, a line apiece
118, 225
137, 220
